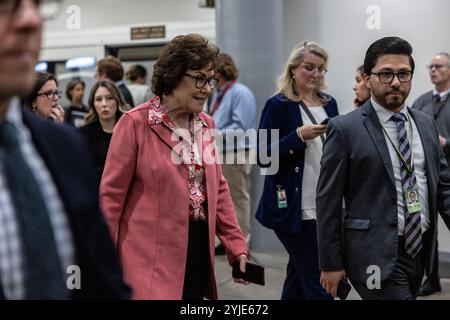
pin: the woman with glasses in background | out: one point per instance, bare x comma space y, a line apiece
43, 98
298, 112
162, 190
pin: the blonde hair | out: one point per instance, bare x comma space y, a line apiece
285, 82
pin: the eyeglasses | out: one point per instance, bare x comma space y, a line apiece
200, 81
51, 94
48, 9
311, 69
386, 77
436, 66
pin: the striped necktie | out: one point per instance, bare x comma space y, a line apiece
413, 231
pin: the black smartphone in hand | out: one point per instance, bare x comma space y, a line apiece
343, 289
325, 121
253, 273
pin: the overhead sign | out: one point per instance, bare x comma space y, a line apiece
138, 33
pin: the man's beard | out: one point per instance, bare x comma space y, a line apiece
391, 102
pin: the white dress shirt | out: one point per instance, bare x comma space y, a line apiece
418, 155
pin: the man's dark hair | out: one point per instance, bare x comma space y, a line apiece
184, 52
387, 45
111, 67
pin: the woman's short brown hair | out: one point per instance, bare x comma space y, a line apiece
185, 52
40, 79
226, 67
122, 106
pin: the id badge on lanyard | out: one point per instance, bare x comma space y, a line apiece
281, 198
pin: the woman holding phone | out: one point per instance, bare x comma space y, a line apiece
299, 112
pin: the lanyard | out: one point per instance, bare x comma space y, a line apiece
219, 98
410, 166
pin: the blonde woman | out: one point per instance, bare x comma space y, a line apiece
288, 201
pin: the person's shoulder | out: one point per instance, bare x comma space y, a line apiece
423, 99
278, 99
51, 132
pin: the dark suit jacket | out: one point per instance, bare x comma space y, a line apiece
126, 94
356, 166
284, 115
70, 165
442, 116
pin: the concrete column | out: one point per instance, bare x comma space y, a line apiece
252, 32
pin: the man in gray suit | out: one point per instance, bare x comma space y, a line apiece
375, 158
436, 103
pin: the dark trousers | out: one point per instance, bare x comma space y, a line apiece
403, 282
302, 275
434, 274
197, 271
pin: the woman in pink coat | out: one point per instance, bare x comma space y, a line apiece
162, 190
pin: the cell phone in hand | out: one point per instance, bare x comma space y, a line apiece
343, 289
325, 121
253, 273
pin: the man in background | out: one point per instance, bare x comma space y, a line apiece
233, 108
436, 103
110, 68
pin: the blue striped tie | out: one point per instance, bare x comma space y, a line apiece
413, 231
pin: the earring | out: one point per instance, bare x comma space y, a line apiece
293, 77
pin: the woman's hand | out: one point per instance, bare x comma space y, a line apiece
312, 131
57, 114
243, 259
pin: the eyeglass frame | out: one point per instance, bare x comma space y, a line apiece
50, 94
206, 80
322, 72
16, 5
393, 75
437, 66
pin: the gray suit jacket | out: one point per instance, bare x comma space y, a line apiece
442, 116
356, 167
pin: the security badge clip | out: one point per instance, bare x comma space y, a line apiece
281, 198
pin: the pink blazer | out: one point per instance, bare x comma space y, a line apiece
144, 197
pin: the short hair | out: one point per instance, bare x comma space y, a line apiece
122, 106
185, 52
40, 79
445, 54
111, 67
387, 45
286, 83
71, 85
226, 67
135, 72
360, 69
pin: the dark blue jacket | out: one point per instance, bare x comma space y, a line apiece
283, 114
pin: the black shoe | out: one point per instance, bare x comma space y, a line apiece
219, 250
429, 287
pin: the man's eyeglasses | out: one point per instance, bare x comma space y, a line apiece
386, 77
51, 94
311, 69
436, 66
200, 81
48, 9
